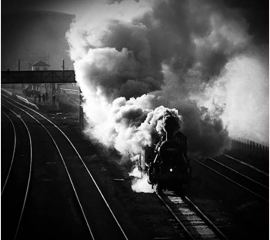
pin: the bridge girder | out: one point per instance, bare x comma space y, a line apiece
46, 76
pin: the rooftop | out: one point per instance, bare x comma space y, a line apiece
41, 64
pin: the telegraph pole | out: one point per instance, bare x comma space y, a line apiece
19, 64
63, 64
81, 118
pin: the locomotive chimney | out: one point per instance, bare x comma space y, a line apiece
169, 127
169, 131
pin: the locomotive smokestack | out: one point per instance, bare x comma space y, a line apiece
63, 64
171, 125
19, 64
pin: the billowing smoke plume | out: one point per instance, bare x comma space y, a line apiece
137, 60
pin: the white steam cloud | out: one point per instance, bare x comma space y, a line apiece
243, 90
136, 60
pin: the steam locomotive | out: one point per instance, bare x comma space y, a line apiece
168, 167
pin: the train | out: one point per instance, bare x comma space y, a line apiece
167, 165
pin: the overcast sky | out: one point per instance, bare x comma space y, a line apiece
256, 12
67, 6
51, 5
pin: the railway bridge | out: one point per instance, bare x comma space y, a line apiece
46, 76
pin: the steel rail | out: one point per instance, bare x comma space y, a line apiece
61, 156
244, 176
30, 171
241, 186
206, 221
175, 217
13, 152
89, 173
212, 225
72, 101
246, 164
70, 89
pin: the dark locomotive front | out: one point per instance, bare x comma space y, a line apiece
170, 168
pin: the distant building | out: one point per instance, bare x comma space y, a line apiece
40, 65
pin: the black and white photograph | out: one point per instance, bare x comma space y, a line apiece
134, 119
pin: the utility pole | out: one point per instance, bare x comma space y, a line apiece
63, 64
19, 64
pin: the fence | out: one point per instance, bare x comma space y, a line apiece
250, 148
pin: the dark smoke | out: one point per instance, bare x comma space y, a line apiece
176, 54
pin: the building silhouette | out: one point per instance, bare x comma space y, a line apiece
40, 65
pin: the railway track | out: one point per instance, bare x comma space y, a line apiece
255, 174
175, 202
16, 189
195, 224
89, 197
262, 173
8, 152
243, 181
73, 95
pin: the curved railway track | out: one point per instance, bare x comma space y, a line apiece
6, 173
17, 188
98, 216
243, 181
